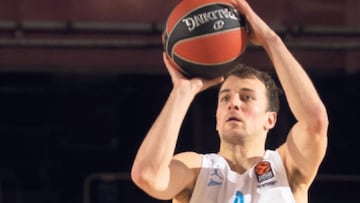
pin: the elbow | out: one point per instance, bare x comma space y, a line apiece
322, 118
136, 176
320, 121
148, 181
139, 177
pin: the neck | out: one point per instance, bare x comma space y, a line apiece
241, 158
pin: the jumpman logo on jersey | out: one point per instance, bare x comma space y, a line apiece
216, 173
216, 178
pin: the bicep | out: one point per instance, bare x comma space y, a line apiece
303, 152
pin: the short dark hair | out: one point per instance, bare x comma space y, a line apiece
272, 90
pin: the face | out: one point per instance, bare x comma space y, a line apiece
242, 109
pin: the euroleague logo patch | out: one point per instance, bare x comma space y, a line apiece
263, 171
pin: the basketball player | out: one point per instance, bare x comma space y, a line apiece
242, 171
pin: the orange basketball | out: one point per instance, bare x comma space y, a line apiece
205, 37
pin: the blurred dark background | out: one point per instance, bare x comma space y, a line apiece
82, 81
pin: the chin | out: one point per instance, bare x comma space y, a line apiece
233, 138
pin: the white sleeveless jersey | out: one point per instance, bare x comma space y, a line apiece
265, 182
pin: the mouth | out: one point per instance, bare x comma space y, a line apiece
233, 119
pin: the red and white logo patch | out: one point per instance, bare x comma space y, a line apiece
263, 171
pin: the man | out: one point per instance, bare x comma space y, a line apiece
242, 171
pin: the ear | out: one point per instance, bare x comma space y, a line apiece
271, 120
216, 120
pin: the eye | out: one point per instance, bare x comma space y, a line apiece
246, 98
225, 98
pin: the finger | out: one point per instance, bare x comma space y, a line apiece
243, 6
169, 65
213, 82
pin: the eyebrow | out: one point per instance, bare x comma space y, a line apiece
242, 89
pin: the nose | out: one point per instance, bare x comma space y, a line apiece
234, 102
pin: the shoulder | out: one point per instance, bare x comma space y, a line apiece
190, 159
196, 160
191, 162
274, 155
277, 162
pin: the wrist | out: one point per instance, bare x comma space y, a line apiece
272, 40
184, 91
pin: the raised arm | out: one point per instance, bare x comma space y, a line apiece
155, 170
307, 140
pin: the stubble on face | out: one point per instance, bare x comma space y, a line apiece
240, 116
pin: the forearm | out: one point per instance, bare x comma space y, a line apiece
300, 92
156, 152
